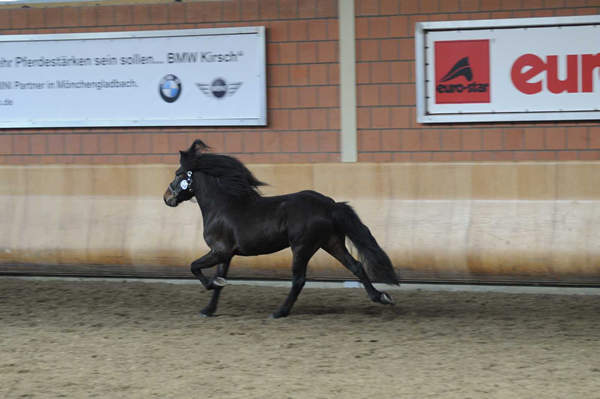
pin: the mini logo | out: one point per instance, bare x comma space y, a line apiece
462, 71
170, 88
219, 88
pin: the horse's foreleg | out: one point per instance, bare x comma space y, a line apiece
209, 260
210, 309
302, 255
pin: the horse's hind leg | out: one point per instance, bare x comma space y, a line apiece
337, 248
302, 254
222, 270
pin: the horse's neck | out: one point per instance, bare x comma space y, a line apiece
207, 205
211, 204
205, 196
214, 205
213, 201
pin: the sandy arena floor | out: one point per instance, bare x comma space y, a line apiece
137, 340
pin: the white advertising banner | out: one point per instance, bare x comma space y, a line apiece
508, 70
199, 77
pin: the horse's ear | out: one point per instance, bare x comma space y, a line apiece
183, 155
198, 147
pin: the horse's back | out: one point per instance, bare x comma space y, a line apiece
313, 197
307, 202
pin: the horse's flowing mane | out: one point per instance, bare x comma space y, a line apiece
227, 174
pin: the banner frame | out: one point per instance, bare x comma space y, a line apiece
261, 120
421, 78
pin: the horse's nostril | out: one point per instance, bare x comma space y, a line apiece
169, 199
170, 202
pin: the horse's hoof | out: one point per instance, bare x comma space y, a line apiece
278, 315
206, 313
386, 299
219, 282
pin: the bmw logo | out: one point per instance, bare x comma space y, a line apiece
170, 88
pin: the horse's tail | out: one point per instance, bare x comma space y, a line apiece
376, 262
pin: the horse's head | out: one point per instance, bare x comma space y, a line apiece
180, 189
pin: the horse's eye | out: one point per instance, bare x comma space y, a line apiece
184, 185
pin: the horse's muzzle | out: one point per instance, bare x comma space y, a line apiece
170, 198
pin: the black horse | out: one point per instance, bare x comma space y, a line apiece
238, 220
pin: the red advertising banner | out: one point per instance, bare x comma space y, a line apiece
462, 71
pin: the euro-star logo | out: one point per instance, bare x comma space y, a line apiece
462, 71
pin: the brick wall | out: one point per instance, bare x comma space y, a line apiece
303, 86
387, 130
